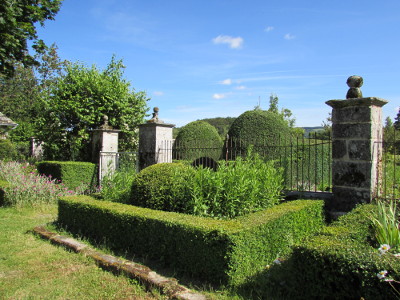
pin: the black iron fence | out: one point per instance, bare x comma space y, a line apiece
306, 162
388, 182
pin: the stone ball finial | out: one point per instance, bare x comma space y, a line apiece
105, 125
155, 118
354, 82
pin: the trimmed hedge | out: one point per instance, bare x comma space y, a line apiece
218, 251
157, 187
341, 262
3, 185
72, 173
197, 139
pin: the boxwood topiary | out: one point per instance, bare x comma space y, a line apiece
162, 186
264, 130
198, 139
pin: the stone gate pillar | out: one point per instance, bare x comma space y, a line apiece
155, 142
105, 148
356, 148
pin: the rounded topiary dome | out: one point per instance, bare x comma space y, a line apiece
198, 139
259, 128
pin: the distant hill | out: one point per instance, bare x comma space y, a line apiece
307, 130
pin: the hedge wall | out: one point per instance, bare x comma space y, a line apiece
3, 184
216, 251
341, 262
71, 173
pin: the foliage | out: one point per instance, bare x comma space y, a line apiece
221, 124
221, 252
197, 139
17, 26
82, 175
116, 187
259, 128
386, 224
8, 151
162, 186
285, 113
338, 263
29, 189
77, 105
397, 121
237, 188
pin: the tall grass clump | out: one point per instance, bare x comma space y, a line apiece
116, 187
386, 224
237, 188
26, 188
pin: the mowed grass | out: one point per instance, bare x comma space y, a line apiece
32, 268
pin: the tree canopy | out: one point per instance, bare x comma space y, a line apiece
397, 121
77, 104
17, 27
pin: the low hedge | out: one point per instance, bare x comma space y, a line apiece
3, 185
341, 262
72, 173
217, 251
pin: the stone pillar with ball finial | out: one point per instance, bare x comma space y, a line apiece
356, 148
155, 141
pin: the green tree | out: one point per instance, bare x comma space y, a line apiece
21, 95
397, 121
77, 103
286, 114
17, 25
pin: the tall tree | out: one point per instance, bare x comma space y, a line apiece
285, 113
17, 26
397, 121
77, 104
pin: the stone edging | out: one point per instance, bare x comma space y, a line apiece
168, 286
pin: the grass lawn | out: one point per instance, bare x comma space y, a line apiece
31, 268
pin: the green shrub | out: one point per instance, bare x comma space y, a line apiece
162, 186
338, 263
217, 251
264, 130
117, 187
8, 151
237, 188
197, 139
72, 174
3, 186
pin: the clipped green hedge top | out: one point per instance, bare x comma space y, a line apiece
199, 133
260, 126
228, 226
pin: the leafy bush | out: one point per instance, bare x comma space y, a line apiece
162, 186
27, 188
117, 187
71, 173
197, 139
236, 188
341, 262
264, 130
217, 251
8, 151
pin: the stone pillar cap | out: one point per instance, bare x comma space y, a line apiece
369, 101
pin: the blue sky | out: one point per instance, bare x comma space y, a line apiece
218, 58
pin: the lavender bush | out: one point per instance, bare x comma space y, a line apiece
29, 189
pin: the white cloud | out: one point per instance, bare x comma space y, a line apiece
227, 81
240, 87
158, 93
233, 42
289, 36
219, 96
269, 28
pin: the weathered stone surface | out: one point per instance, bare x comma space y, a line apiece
339, 149
369, 101
359, 150
345, 199
354, 130
351, 174
352, 113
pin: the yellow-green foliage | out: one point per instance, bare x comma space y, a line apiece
341, 262
217, 251
72, 173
